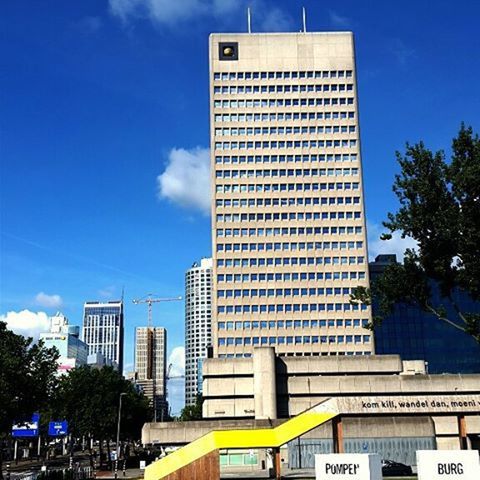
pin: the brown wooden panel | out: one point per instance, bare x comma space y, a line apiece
205, 468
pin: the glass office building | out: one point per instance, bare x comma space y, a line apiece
103, 330
415, 334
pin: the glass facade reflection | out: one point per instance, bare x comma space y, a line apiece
414, 334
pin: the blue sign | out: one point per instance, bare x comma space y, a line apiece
27, 429
58, 429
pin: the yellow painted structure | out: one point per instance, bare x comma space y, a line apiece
250, 438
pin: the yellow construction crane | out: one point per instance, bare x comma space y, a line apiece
150, 300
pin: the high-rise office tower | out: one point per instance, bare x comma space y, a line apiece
198, 324
289, 240
103, 330
150, 366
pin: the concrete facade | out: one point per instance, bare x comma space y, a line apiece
150, 366
240, 388
198, 325
289, 240
234, 387
386, 406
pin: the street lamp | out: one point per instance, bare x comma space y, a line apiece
118, 434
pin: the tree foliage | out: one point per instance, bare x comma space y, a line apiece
192, 412
89, 399
27, 377
27, 380
440, 210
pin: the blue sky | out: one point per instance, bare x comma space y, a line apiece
101, 97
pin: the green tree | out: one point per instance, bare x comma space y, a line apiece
89, 398
27, 379
440, 210
192, 412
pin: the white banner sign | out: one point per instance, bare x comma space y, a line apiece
352, 466
448, 464
407, 404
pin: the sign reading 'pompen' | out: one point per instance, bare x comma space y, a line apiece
353, 466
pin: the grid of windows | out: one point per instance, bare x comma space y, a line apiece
282, 75
198, 334
103, 330
290, 238
282, 116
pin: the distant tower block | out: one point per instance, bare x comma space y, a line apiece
198, 325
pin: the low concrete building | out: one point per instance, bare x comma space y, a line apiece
269, 386
386, 405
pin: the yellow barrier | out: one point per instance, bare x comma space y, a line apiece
250, 438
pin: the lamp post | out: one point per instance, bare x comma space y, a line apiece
118, 434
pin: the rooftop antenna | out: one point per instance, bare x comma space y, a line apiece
304, 16
249, 20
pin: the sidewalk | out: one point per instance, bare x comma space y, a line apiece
130, 473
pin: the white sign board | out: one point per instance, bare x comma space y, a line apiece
143, 464
448, 464
352, 466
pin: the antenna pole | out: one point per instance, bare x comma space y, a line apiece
304, 15
249, 20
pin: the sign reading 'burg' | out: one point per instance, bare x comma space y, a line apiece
448, 464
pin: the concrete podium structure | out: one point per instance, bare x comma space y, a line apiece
181, 463
379, 404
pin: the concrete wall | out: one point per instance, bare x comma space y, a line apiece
181, 433
241, 387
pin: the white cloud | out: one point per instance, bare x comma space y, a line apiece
397, 245
176, 386
48, 301
172, 12
274, 20
177, 360
165, 12
225, 7
338, 20
186, 179
27, 323
176, 395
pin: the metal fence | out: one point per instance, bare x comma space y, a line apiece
301, 453
80, 473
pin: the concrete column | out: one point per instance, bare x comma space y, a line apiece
264, 382
277, 463
337, 427
462, 432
